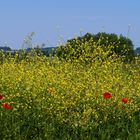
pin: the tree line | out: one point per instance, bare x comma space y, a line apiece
85, 45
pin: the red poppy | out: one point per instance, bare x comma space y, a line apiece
107, 95
125, 100
1, 96
6, 105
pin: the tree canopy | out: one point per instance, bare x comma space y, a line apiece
111, 43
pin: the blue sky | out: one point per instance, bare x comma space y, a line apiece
55, 21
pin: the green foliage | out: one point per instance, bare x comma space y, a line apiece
87, 44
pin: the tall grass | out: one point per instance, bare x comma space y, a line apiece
49, 99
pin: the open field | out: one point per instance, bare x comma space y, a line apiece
48, 99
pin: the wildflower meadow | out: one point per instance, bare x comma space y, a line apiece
45, 98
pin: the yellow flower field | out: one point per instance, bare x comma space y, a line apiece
44, 98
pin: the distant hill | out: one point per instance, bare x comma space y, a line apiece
137, 51
45, 51
8, 49
5, 48
49, 49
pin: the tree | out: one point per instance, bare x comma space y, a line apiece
111, 43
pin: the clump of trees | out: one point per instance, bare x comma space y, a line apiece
91, 46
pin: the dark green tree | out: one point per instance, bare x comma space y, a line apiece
120, 45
